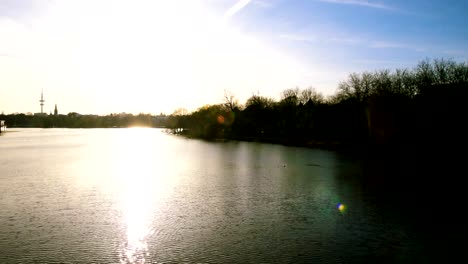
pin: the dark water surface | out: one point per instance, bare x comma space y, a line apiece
142, 196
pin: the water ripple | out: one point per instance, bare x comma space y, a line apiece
140, 196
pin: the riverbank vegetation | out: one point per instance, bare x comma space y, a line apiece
418, 106
76, 120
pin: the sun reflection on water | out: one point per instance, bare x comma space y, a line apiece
137, 216
138, 179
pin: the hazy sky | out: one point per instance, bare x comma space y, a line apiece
108, 56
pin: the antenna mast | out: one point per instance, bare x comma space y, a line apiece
42, 100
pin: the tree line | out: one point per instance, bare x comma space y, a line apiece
422, 106
385, 107
76, 120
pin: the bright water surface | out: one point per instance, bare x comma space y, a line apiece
142, 196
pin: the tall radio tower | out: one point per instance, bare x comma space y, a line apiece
42, 100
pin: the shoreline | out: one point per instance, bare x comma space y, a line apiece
402, 149
332, 145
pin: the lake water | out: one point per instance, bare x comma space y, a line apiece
143, 196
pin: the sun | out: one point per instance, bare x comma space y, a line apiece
153, 56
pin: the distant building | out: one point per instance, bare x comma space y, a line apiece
55, 110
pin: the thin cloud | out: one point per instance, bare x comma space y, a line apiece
373, 44
263, 3
323, 39
382, 62
236, 7
454, 52
359, 3
396, 45
295, 37
345, 40
387, 45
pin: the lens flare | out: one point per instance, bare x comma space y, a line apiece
341, 207
220, 119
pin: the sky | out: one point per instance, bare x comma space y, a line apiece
155, 56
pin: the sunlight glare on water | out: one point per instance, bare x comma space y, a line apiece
143, 196
141, 188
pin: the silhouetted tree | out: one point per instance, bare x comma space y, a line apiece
310, 94
230, 101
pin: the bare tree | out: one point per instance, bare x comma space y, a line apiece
290, 96
312, 95
460, 72
257, 101
381, 82
230, 101
290, 92
425, 73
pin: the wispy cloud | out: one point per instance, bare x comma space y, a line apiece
296, 37
345, 40
263, 3
382, 62
236, 8
387, 45
395, 45
313, 38
461, 55
353, 41
363, 3
455, 52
